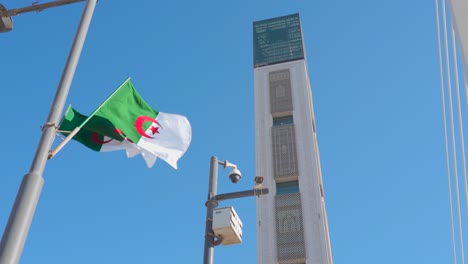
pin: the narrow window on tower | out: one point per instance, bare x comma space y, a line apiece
284, 120
287, 187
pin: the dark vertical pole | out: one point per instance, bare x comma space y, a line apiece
211, 204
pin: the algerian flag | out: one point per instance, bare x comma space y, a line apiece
91, 135
125, 116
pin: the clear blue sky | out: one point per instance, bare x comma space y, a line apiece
374, 73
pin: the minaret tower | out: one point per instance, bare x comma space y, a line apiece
291, 220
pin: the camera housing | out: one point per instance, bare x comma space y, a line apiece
258, 179
235, 175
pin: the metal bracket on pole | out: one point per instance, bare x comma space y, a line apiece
218, 241
234, 195
38, 7
6, 23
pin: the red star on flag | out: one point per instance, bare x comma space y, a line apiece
155, 130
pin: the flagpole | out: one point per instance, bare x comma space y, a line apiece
19, 222
100, 106
64, 142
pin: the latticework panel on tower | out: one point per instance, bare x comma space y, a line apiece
289, 229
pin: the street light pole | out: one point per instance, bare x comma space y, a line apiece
19, 222
214, 199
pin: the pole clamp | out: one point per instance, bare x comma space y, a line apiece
49, 124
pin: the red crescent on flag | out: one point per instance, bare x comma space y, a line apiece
139, 125
95, 138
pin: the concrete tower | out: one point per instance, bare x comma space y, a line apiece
291, 220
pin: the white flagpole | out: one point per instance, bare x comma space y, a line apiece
105, 101
65, 141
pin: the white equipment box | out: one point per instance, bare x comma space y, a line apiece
227, 226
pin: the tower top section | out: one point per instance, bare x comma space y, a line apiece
277, 40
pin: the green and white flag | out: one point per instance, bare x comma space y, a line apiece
91, 135
126, 118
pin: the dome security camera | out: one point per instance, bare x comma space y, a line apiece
235, 175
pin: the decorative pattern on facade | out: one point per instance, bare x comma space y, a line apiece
289, 228
280, 91
284, 151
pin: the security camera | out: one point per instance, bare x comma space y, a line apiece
258, 182
235, 175
258, 179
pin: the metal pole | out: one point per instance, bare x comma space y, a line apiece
235, 195
211, 204
14, 236
37, 7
